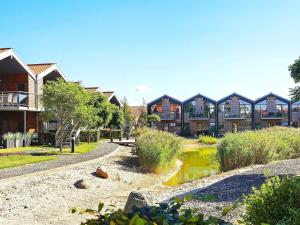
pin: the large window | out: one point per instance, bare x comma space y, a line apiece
276, 108
296, 107
242, 110
196, 109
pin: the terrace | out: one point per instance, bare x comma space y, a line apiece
15, 99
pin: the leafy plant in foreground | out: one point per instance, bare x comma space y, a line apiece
170, 213
277, 202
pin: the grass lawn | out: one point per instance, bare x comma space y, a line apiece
19, 160
24, 149
83, 148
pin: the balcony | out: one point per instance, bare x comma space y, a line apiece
16, 100
273, 115
167, 115
238, 116
198, 116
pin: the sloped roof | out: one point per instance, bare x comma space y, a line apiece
9, 52
235, 94
108, 93
272, 94
91, 89
4, 49
136, 111
162, 97
40, 67
199, 95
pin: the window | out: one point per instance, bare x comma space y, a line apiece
221, 128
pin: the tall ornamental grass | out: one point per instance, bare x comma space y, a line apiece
208, 140
258, 147
157, 150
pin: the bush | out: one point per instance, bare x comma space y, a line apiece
276, 202
18, 139
157, 150
47, 138
164, 213
258, 147
89, 135
105, 133
208, 140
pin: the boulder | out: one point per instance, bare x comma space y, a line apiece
101, 173
138, 200
81, 184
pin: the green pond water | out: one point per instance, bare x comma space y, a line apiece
197, 163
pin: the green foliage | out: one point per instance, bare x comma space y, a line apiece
105, 133
157, 149
163, 214
68, 103
208, 140
143, 118
258, 147
276, 202
129, 119
103, 109
295, 74
117, 120
89, 135
153, 118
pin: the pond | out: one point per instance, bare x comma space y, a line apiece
197, 163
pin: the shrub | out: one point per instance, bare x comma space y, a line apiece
89, 136
164, 213
157, 150
105, 133
208, 140
18, 139
276, 202
258, 147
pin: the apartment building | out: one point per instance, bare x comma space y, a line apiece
20, 91
169, 110
233, 113
199, 115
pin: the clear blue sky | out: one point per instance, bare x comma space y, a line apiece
149, 48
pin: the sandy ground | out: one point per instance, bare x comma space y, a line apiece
47, 197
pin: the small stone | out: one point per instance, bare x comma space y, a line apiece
81, 184
138, 200
101, 173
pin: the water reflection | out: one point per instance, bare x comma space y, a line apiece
197, 163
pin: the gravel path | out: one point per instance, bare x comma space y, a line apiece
103, 149
46, 197
227, 188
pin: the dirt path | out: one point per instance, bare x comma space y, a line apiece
46, 197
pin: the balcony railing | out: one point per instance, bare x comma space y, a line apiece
273, 115
198, 115
15, 99
168, 115
240, 115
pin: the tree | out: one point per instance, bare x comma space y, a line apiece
117, 120
103, 109
67, 103
153, 118
143, 120
129, 118
295, 74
